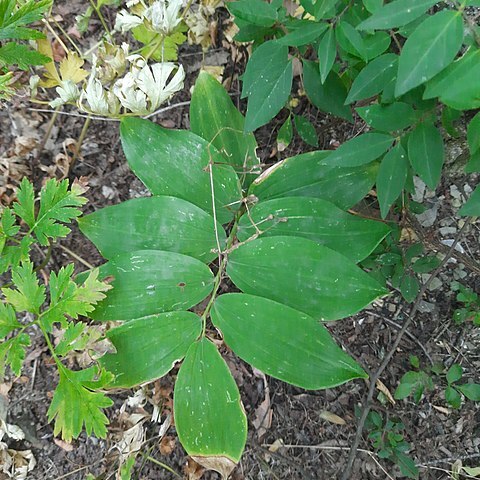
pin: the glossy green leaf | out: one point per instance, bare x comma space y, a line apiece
213, 116
473, 134
472, 207
153, 223
396, 14
457, 86
350, 40
282, 342
361, 150
426, 153
303, 36
324, 8
317, 220
306, 130
373, 78
209, 416
311, 175
147, 282
470, 390
388, 118
311, 278
391, 178
256, 12
175, 162
285, 134
373, 5
267, 82
430, 48
327, 51
147, 348
376, 44
329, 96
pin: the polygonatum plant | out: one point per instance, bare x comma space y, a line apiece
261, 261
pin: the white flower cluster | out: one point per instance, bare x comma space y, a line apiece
142, 90
162, 16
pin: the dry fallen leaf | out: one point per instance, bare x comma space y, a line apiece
193, 470
443, 410
167, 445
382, 387
263, 413
332, 417
68, 447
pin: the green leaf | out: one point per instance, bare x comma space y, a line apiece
256, 12
409, 287
268, 76
327, 52
454, 373
58, 204
209, 416
75, 337
376, 44
12, 352
12, 20
147, 282
396, 14
457, 85
24, 207
303, 36
154, 343
14, 54
472, 206
75, 406
317, 220
350, 40
473, 134
214, 117
406, 464
470, 390
154, 223
282, 342
426, 153
425, 264
311, 175
372, 5
176, 163
8, 320
388, 118
285, 134
67, 299
8, 225
28, 294
306, 130
452, 397
311, 278
391, 178
373, 78
430, 48
329, 96
361, 150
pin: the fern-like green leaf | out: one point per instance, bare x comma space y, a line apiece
67, 299
12, 22
8, 320
15, 54
12, 352
28, 294
75, 406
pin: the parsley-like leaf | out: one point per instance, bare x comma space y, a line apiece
75, 405
12, 352
67, 299
8, 320
15, 54
12, 22
28, 295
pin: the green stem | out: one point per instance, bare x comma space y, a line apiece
221, 270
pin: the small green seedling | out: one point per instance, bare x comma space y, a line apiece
470, 312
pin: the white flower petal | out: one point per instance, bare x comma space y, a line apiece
126, 21
164, 16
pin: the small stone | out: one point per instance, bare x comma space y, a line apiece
419, 190
457, 203
455, 192
428, 217
108, 192
446, 231
435, 284
426, 307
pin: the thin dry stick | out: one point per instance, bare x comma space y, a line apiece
373, 380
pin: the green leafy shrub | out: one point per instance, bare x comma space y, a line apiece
286, 244
470, 312
27, 302
404, 66
14, 18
